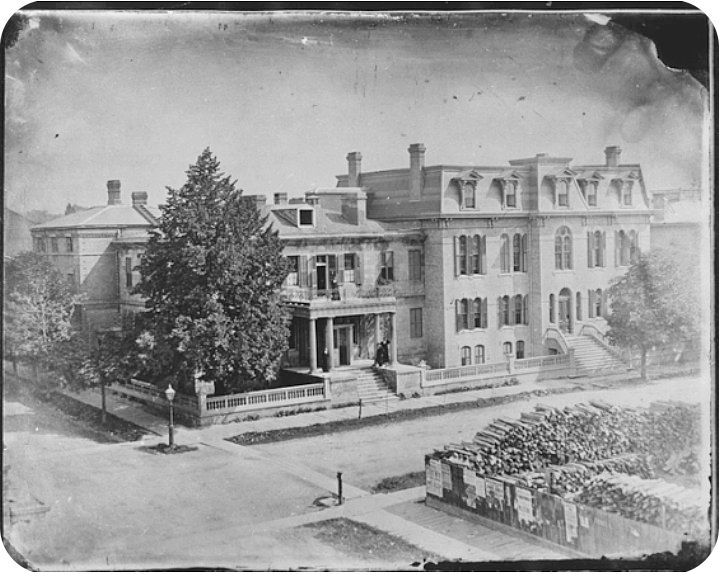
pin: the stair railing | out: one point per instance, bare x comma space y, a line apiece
593, 332
557, 335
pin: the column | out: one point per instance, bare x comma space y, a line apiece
395, 338
377, 331
313, 345
330, 341
572, 316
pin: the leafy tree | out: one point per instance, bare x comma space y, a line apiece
654, 303
39, 308
211, 277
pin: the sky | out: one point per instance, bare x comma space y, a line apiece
281, 100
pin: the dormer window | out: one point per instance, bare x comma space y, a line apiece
627, 193
562, 192
510, 193
468, 199
307, 217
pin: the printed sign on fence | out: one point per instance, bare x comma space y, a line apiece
495, 492
434, 478
570, 519
446, 477
523, 503
470, 489
480, 487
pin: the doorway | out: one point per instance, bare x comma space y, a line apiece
342, 352
565, 305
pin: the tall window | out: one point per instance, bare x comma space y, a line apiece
524, 253
520, 349
68, 244
507, 348
128, 272
517, 252
468, 196
461, 309
591, 308
53, 244
463, 255
415, 323
592, 193
479, 355
562, 192
563, 248
387, 270
416, 265
510, 193
466, 356
633, 247
627, 193
349, 267
579, 306
598, 303
293, 275
518, 319
551, 308
479, 313
525, 309
504, 310
598, 249
504, 254
476, 250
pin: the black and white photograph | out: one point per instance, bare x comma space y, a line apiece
340, 287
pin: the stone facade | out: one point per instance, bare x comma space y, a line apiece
452, 264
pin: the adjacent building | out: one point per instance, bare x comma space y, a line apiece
453, 264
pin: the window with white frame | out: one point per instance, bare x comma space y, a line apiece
416, 265
387, 266
293, 275
479, 356
415, 323
468, 195
562, 187
349, 267
510, 193
507, 347
520, 350
563, 248
466, 356
505, 254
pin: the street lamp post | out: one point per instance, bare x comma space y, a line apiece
170, 395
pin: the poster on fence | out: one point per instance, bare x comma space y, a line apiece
570, 519
470, 488
434, 478
523, 503
446, 477
495, 492
480, 487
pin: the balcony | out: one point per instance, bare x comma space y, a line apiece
344, 299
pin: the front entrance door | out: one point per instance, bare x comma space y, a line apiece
564, 304
343, 345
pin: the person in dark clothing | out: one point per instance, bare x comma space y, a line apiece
378, 356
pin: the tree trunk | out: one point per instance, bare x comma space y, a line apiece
644, 364
103, 417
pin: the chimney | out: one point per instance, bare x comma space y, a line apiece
354, 168
613, 154
280, 198
416, 165
139, 198
113, 192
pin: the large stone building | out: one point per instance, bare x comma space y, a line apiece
454, 264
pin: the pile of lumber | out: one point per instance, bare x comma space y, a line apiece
656, 502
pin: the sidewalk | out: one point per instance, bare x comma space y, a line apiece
156, 424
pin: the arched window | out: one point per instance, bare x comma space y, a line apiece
518, 310
520, 350
525, 309
524, 252
633, 247
551, 308
504, 311
599, 249
504, 254
517, 252
563, 248
598, 311
579, 306
466, 356
591, 307
479, 355
507, 348
462, 254
624, 249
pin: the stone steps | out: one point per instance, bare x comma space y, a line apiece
591, 358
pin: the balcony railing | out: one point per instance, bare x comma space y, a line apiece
339, 293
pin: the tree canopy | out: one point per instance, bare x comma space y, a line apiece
656, 302
211, 276
39, 308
